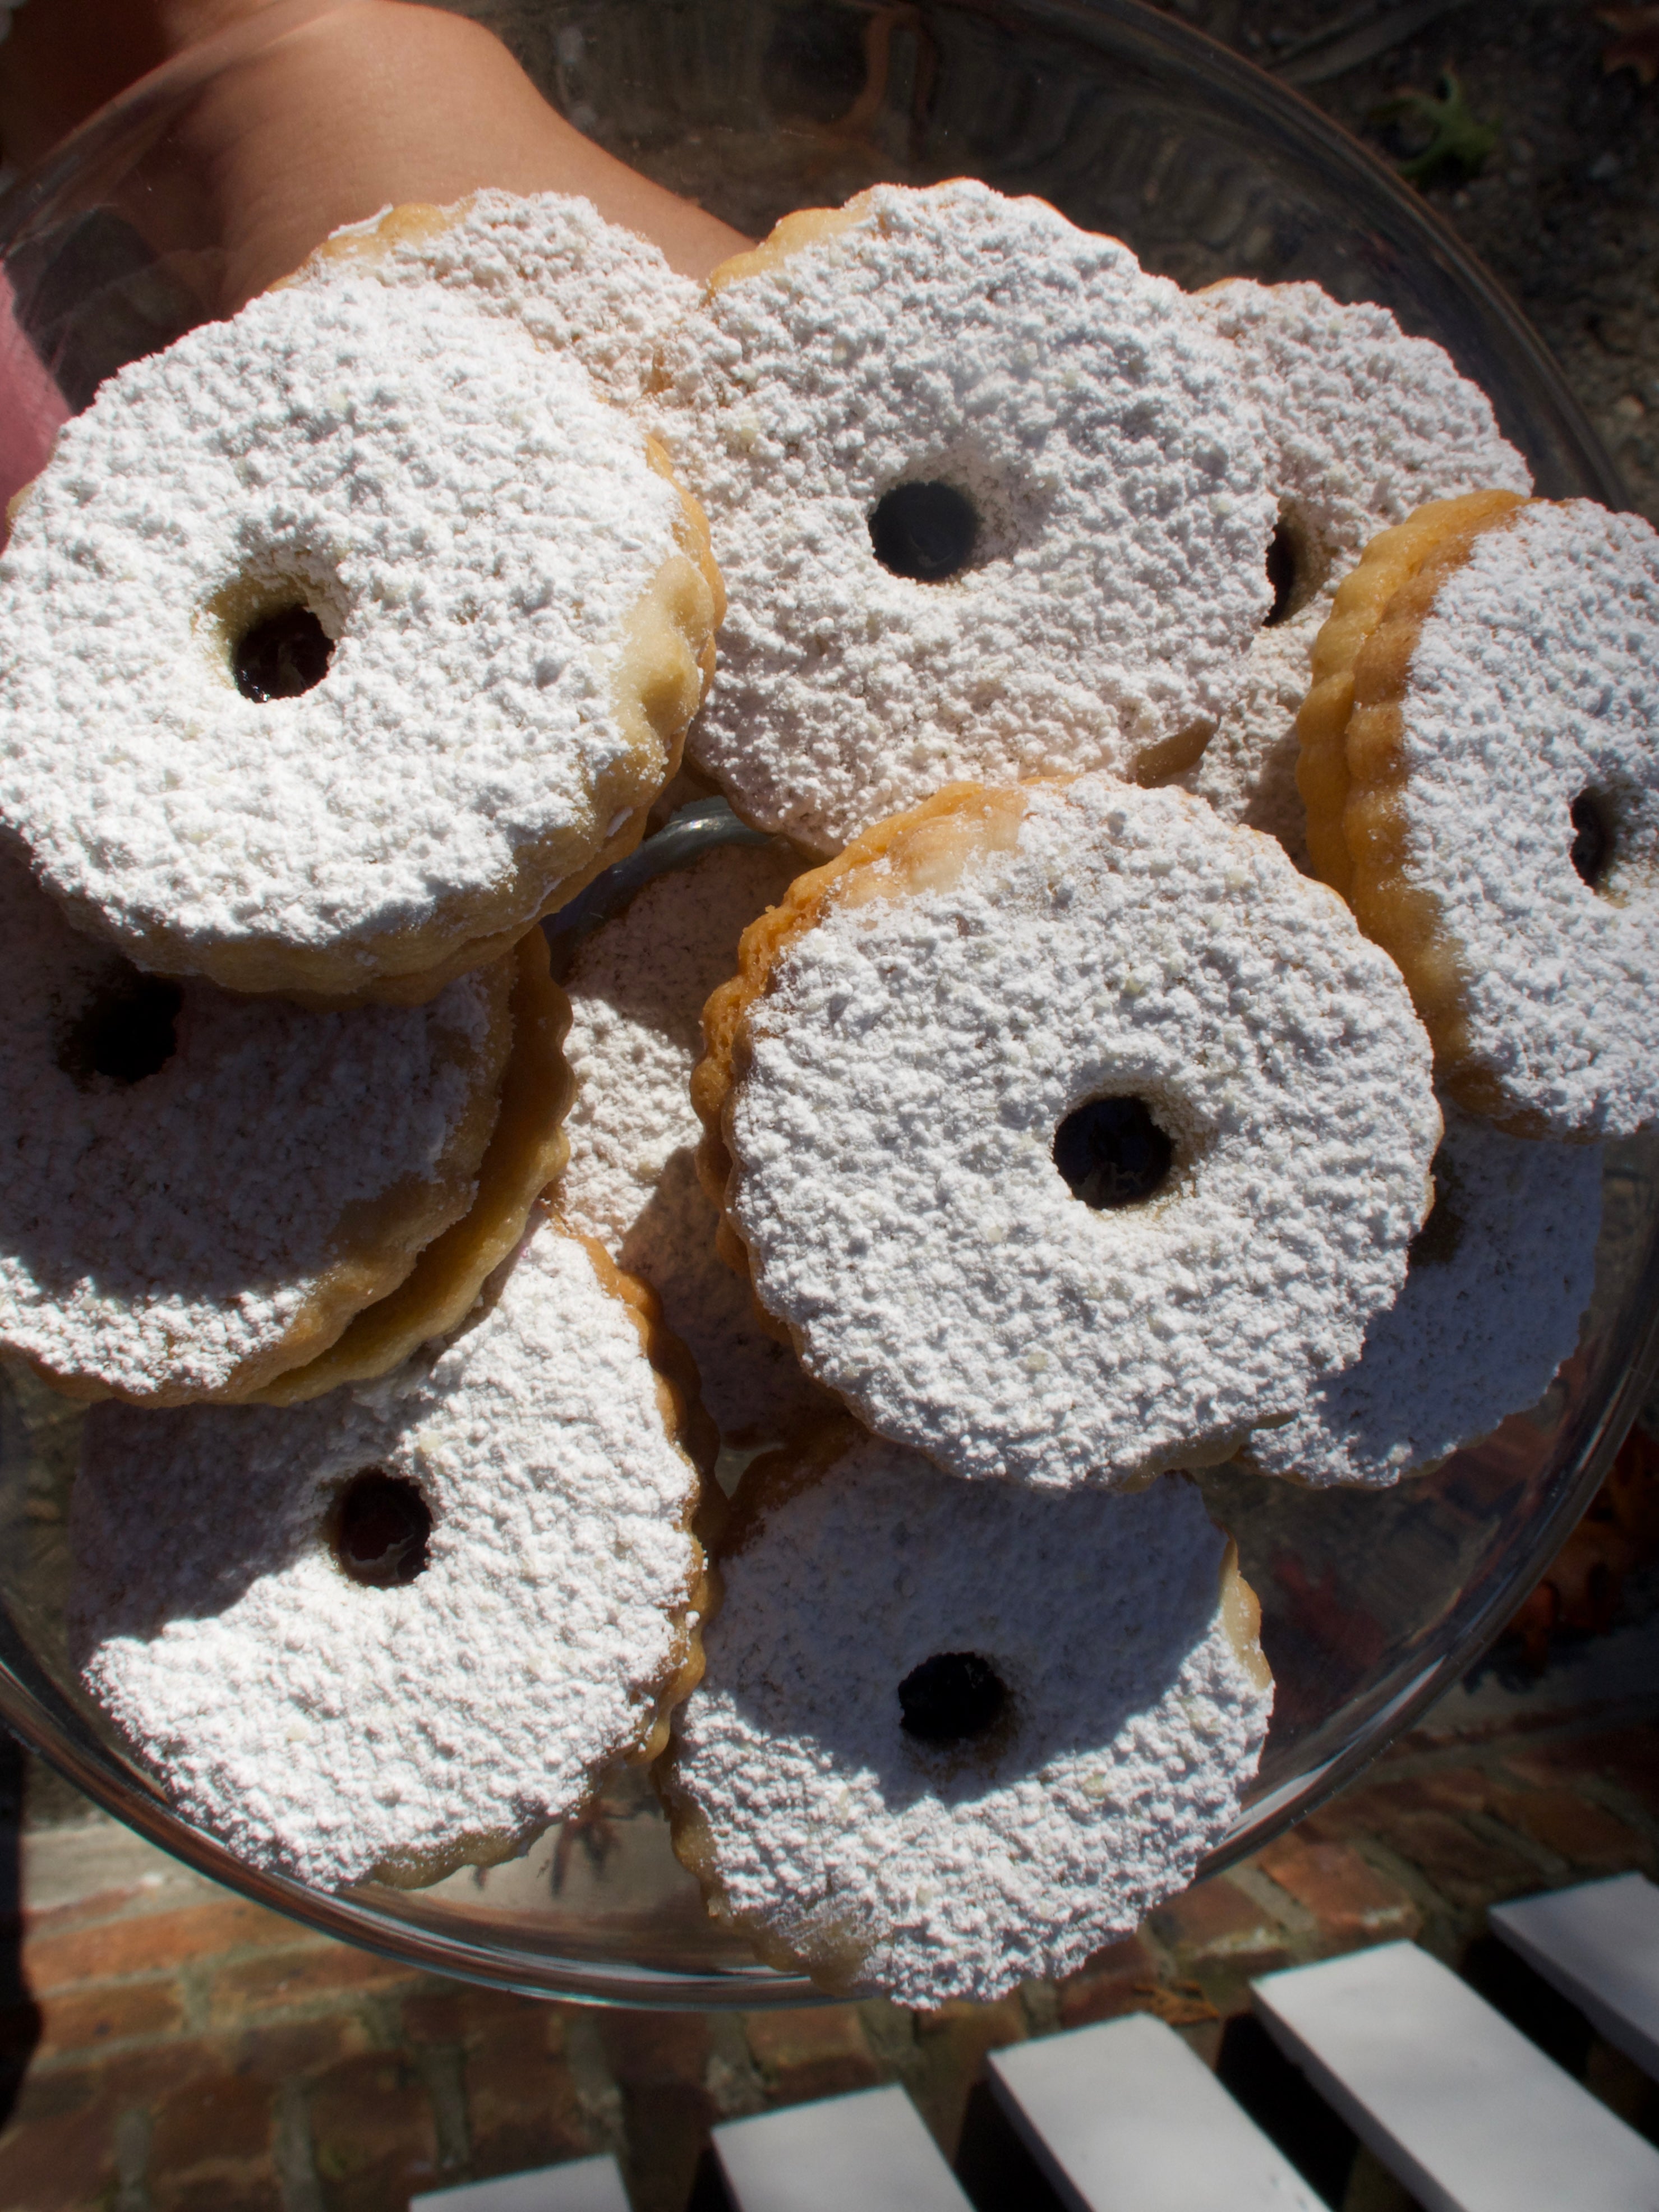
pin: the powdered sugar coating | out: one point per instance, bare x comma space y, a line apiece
1535, 679
899, 1868
636, 992
465, 516
912, 1058
1090, 416
1499, 1282
1362, 425
548, 261
185, 1233
321, 1729
1248, 771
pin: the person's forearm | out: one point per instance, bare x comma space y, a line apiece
373, 101
347, 108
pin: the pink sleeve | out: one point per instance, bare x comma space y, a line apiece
31, 405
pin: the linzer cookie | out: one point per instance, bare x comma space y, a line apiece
637, 988
579, 284
1393, 558
1361, 425
527, 1148
1070, 1132
202, 1189
344, 639
954, 1735
1482, 783
989, 500
403, 1627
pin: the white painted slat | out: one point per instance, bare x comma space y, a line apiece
866, 2153
581, 2184
1462, 2110
1124, 2117
1599, 1945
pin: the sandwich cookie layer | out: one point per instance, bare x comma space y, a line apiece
405, 1626
1482, 783
1361, 425
343, 639
952, 1735
988, 498
637, 988
1070, 1132
203, 1190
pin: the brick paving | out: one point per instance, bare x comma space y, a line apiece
182, 2051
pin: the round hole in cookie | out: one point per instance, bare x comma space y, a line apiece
380, 1527
925, 531
126, 1032
1297, 566
1111, 1152
1591, 850
282, 656
1281, 573
953, 1698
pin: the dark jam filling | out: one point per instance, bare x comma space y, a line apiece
283, 656
381, 1527
1592, 840
925, 530
126, 1033
951, 1698
1281, 575
1111, 1152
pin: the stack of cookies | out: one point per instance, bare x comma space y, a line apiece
383, 649
1199, 929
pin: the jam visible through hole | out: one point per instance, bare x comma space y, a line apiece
381, 1525
952, 1698
1281, 573
285, 655
1592, 839
126, 1033
1111, 1152
925, 530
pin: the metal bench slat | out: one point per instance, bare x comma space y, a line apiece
868, 2151
1458, 2105
580, 2184
1599, 1946
1124, 2117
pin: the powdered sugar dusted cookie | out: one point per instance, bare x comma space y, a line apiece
954, 1735
989, 499
1394, 559
1500, 1275
552, 263
1480, 750
1362, 425
202, 1189
343, 639
405, 1626
1070, 1131
527, 1148
637, 989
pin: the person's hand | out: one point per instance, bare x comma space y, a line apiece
342, 110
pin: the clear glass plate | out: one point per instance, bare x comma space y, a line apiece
1129, 123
